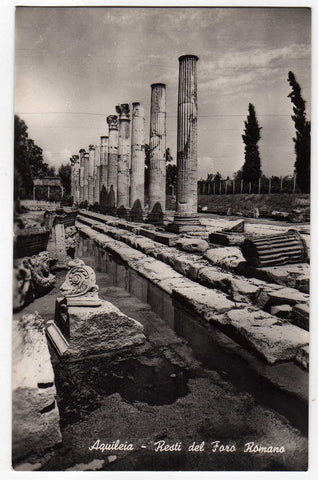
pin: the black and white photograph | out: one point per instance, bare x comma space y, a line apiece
161, 238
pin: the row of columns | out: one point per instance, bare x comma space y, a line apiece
117, 164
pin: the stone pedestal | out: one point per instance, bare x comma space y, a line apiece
186, 218
123, 156
137, 179
103, 163
91, 175
157, 143
112, 121
84, 324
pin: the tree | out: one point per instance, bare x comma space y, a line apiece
64, 173
302, 140
252, 166
23, 183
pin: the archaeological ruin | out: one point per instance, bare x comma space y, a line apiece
143, 321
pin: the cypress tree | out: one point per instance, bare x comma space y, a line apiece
252, 166
302, 140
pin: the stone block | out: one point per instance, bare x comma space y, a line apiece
288, 296
35, 415
300, 315
302, 357
274, 340
226, 257
281, 311
192, 244
203, 299
101, 330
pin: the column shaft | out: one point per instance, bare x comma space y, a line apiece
86, 174
137, 179
186, 211
103, 162
96, 173
157, 168
91, 175
123, 156
112, 121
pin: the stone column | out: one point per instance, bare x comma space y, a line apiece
112, 121
86, 174
103, 162
157, 167
96, 173
81, 176
186, 217
77, 180
137, 179
123, 156
91, 175
73, 183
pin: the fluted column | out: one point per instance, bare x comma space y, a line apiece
123, 155
186, 209
96, 173
112, 121
76, 195
81, 176
91, 175
157, 167
86, 175
73, 183
103, 162
137, 178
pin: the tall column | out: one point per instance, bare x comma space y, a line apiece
86, 175
137, 179
112, 121
91, 175
96, 173
72, 183
103, 162
186, 216
157, 167
81, 175
123, 156
76, 182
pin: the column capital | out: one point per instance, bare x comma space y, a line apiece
103, 139
112, 121
123, 110
155, 85
91, 147
188, 57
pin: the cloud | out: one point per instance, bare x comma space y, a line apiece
239, 69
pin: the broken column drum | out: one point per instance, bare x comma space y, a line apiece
186, 207
270, 250
103, 162
124, 151
86, 175
112, 121
157, 143
137, 179
96, 174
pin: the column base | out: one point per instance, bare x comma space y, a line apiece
186, 224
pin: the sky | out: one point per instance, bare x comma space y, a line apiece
74, 65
